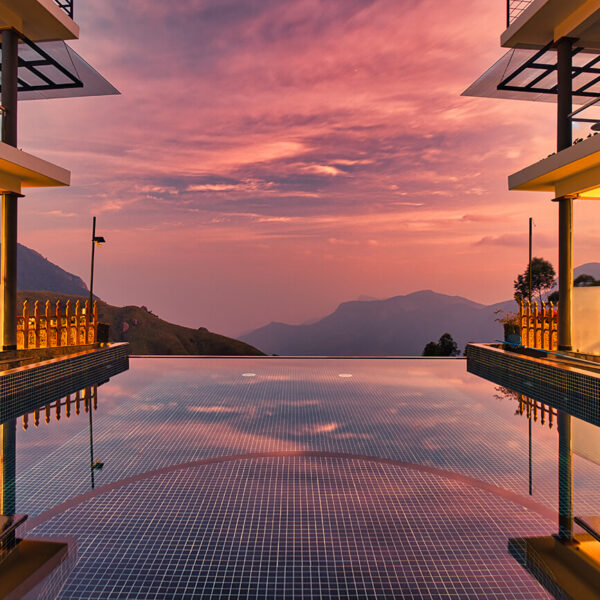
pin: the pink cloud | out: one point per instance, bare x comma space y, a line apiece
306, 152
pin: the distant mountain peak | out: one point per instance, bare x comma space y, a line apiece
34, 272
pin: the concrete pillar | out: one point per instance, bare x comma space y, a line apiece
565, 477
8, 235
564, 139
8, 271
565, 273
565, 210
8, 434
564, 131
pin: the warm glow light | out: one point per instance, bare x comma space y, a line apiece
593, 194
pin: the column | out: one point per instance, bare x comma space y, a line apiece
565, 477
8, 434
565, 287
8, 235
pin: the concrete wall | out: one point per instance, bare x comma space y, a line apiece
586, 320
586, 440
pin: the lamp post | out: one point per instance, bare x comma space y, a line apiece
96, 239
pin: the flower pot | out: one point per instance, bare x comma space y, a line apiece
512, 334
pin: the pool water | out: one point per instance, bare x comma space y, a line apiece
296, 478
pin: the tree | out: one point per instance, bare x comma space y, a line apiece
542, 279
582, 280
585, 280
446, 346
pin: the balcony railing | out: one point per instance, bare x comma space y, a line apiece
66, 5
539, 326
514, 8
66, 327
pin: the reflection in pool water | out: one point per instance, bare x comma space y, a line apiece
406, 478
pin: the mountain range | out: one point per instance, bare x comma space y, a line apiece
398, 326
39, 279
34, 272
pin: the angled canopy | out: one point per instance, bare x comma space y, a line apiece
523, 74
69, 75
54, 70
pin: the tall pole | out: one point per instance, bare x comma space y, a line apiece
90, 409
530, 254
8, 264
530, 459
565, 288
92, 267
530, 290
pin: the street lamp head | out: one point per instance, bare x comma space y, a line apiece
98, 239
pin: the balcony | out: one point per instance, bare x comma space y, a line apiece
514, 9
40, 20
66, 5
19, 169
536, 23
575, 170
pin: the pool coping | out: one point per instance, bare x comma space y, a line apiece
566, 387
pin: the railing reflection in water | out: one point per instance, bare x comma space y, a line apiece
86, 398
531, 408
70, 404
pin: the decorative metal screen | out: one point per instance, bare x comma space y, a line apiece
66, 5
514, 8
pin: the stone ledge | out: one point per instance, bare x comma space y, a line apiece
31, 386
566, 571
559, 383
33, 565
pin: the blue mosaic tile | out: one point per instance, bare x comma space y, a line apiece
297, 527
141, 531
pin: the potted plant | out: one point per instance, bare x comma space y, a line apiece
510, 322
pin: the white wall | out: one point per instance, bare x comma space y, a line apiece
586, 440
586, 320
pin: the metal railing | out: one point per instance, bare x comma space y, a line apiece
66, 327
514, 8
66, 5
539, 326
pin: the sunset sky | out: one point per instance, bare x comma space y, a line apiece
268, 160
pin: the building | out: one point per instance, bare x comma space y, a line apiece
554, 56
36, 63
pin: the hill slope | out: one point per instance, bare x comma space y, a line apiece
34, 272
397, 326
147, 334
592, 269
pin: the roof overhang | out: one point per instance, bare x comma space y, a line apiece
19, 170
525, 74
39, 20
65, 60
545, 21
573, 171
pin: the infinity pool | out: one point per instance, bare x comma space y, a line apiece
296, 478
